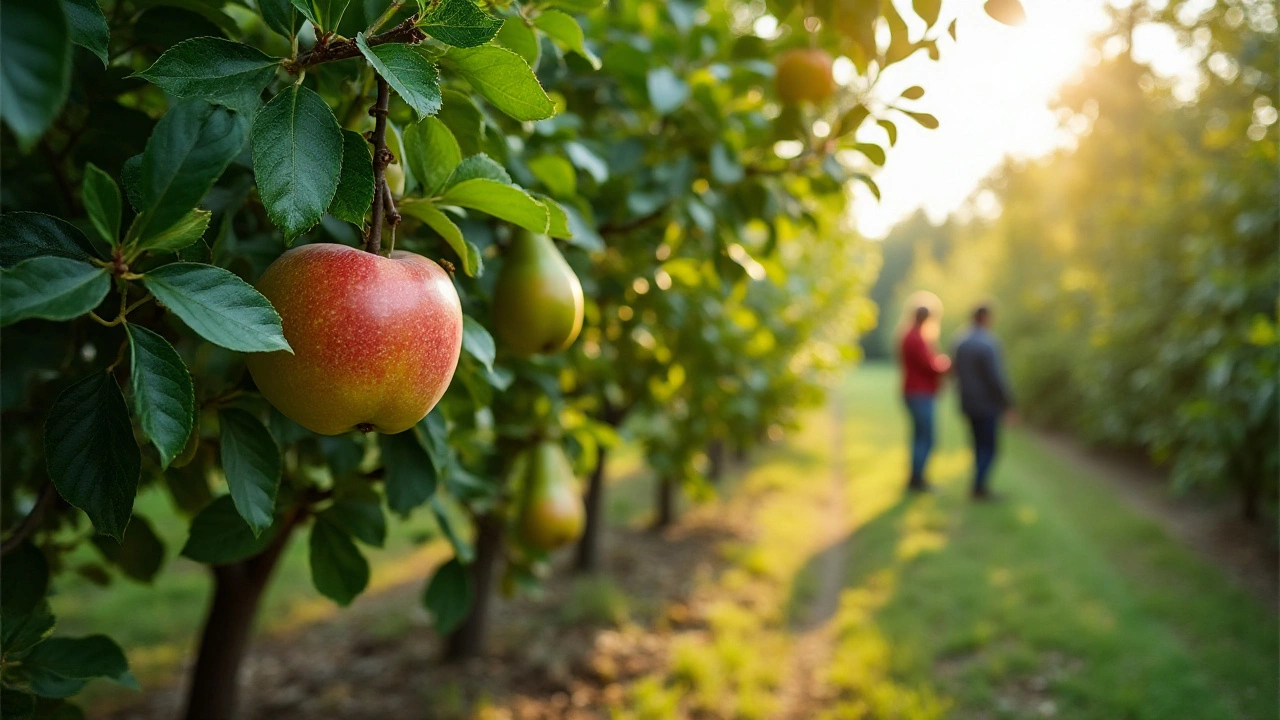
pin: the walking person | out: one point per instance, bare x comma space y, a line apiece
985, 397
922, 371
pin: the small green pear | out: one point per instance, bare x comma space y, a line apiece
551, 512
537, 301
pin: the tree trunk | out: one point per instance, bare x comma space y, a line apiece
468, 640
716, 460
666, 511
238, 588
588, 557
1251, 494
740, 453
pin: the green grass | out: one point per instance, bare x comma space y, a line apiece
1060, 599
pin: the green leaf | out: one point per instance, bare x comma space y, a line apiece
25, 235
62, 658
220, 536
504, 79
221, 307
449, 596
297, 158
361, 517
505, 202
186, 154
925, 119
189, 228
252, 465
516, 35
24, 580
667, 91
725, 167
927, 10
324, 14
35, 66
460, 23
220, 71
411, 478
557, 218
452, 518
852, 120
131, 178
871, 184
338, 569
478, 166
51, 288
556, 173
102, 201
468, 253
891, 129
409, 72
163, 397
354, 196
308, 11
91, 454
581, 233
566, 31
16, 704
577, 6
477, 341
464, 120
587, 161
432, 153
874, 152
915, 92
88, 26
22, 630
281, 16
139, 555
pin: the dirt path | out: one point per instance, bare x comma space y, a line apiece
804, 688
1247, 553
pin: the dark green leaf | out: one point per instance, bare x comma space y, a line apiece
464, 120
667, 91
141, 553
449, 596
505, 202
88, 26
220, 71
16, 705
163, 397
297, 158
355, 185
220, 536
361, 517
308, 11
468, 253
452, 519
566, 31
24, 579
459, 23
59, 659
478, 166
409, 73
281, 16
52, 288
35, 66
187, 230
91, 455
411, 478
516, 35
324, 14
102, 201
25, 235
432, 153
21, 631
131, 179
186, 154
251, 462
477, 341
338, 569
504, 79
221, 307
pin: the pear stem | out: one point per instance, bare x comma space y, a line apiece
381, 158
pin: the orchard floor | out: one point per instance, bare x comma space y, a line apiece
810, 589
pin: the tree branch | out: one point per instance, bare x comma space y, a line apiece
405, 33
31, 521
381, 158
634, 223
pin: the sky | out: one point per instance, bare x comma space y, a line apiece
990, 92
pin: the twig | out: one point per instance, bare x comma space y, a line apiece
634, 223
31, 521
404, 33
386, 16
381, 158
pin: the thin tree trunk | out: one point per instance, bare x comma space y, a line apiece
588, 556
666, 510
716, 460
1251, 494
468, 640
238, 588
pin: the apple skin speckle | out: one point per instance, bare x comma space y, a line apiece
376, 339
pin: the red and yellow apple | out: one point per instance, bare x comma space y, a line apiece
804, 74
375, 339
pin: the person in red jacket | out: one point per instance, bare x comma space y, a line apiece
922, 371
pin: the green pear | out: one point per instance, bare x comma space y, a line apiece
537, 301
551, 512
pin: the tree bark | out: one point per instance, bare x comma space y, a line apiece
468, 640
238, 588
588, 556
716, 460
666, 510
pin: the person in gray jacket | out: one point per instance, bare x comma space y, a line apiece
985, 396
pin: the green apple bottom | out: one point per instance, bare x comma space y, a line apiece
376, 341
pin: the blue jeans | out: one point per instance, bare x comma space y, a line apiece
985, 429
921, 409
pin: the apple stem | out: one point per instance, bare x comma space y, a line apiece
381, 158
